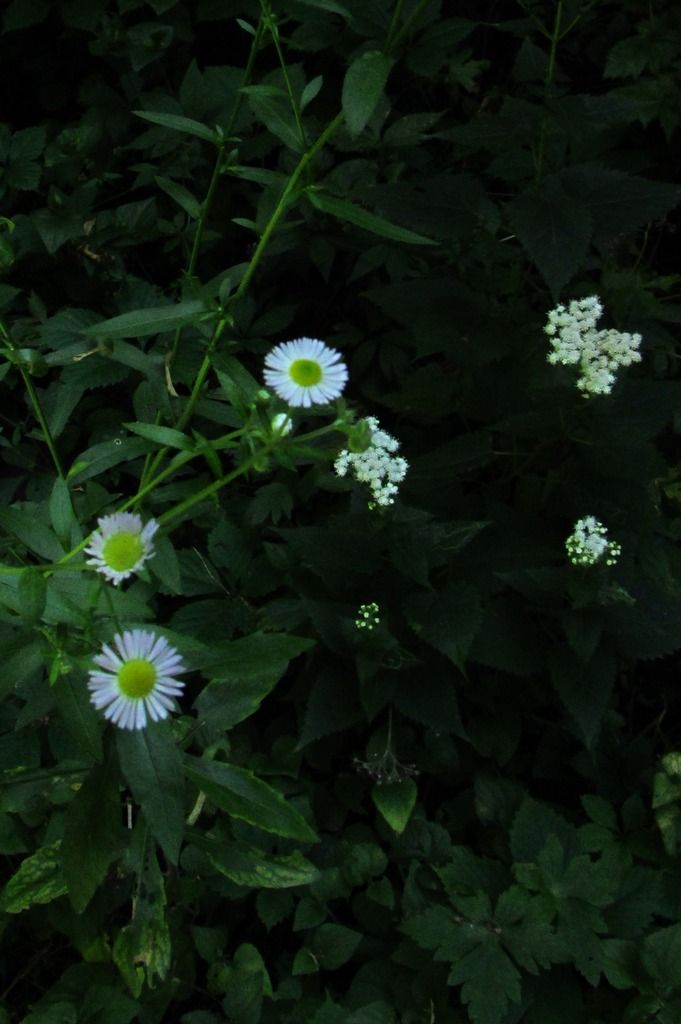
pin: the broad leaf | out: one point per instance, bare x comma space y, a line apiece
152, 767
362, 87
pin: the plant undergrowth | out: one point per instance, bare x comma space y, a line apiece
340, 679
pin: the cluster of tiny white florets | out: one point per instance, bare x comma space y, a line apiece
599, 354
589, 543
377, 466
367, 616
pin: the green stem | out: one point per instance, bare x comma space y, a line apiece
269, 230
255, 45
548, 82
149, 465
274, 32
37, 408
206, 492
394, 21
408, 24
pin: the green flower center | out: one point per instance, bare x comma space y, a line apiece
122, 551
136, 678
305, 372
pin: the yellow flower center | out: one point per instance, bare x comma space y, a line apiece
122, 551
136, 678
305, 372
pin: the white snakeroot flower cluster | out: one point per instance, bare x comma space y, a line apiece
305, 372
367, 616
377, 466
599, 354
589, 543
136, 680
121, 545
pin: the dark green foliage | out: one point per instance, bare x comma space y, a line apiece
472, 810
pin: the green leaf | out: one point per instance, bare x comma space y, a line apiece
242, 795
38, 880
79, 716
555, 230
179, 124
181, 195
30, 530
32, 594
92, 835
275, 113
141, 322
248, 866
447, 621
62, 516
395, 801
144, 945
152, 767
105, 455
353, 214
584, 690
166, 436
490, 981
532, 826
334, 944
362, 87
256, 657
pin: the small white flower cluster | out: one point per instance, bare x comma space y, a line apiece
599, 354
367, 616
588, 543
377, 466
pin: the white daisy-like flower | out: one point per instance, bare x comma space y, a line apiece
121, 545
305, 372
136, 679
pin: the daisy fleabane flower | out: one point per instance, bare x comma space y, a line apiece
136, 680
377, 466
599, 354
121, 545
305, 372
589, 543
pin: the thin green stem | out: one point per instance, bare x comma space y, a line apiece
248, 70
37, 407
408, 24
394, 22
548, 82
210, 489
274, 32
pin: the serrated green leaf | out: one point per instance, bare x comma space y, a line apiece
152, 767
447, 621
92, 835
142, 322
363, 85
186, 125
555, 230
353, 214
38, 880
395, 801
242, 795
334, 944
490, 982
